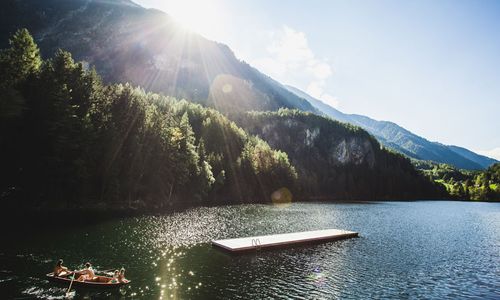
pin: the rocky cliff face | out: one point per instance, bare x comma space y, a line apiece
354, 151
300, 138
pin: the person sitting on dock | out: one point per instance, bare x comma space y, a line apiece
60, 270
86, 274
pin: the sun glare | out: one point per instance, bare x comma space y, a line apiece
202, 17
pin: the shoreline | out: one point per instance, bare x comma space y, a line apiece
47, 217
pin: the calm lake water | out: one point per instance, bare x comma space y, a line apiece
433, 249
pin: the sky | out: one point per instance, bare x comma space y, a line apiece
432, 67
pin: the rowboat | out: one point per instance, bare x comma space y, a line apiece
99, 282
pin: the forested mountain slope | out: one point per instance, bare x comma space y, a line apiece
145, 47
68, 140
337, 160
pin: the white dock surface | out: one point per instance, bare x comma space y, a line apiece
276, 240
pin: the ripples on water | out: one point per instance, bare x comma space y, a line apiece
405, 250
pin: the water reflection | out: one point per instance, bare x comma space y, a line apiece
406, 250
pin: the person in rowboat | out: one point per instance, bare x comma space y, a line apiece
116, 275
60, 270
87, 273
121, 276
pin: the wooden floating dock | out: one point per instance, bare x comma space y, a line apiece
282, 240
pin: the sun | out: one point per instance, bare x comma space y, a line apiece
202, 16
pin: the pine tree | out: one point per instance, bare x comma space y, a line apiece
205, 179
21, 59
17, 63
19, 66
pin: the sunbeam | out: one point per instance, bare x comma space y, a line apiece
199, 16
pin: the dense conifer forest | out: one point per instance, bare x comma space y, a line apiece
69, 140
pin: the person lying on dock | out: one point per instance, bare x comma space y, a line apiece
60, 270
86, 274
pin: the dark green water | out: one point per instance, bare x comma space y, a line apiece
440, 250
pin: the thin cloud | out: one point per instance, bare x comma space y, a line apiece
289, 56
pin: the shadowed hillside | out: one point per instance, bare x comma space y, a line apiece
337, 160
128, 43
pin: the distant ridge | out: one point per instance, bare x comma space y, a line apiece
398, 138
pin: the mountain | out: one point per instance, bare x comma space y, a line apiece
76, 143
396, 137
335, 160
482, 160
128, 43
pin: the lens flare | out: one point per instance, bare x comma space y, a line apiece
227, 88
282, 197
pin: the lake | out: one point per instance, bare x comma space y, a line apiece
423, 249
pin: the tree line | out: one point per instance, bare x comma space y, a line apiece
464, 184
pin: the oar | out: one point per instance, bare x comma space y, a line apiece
71, 283
105, 271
